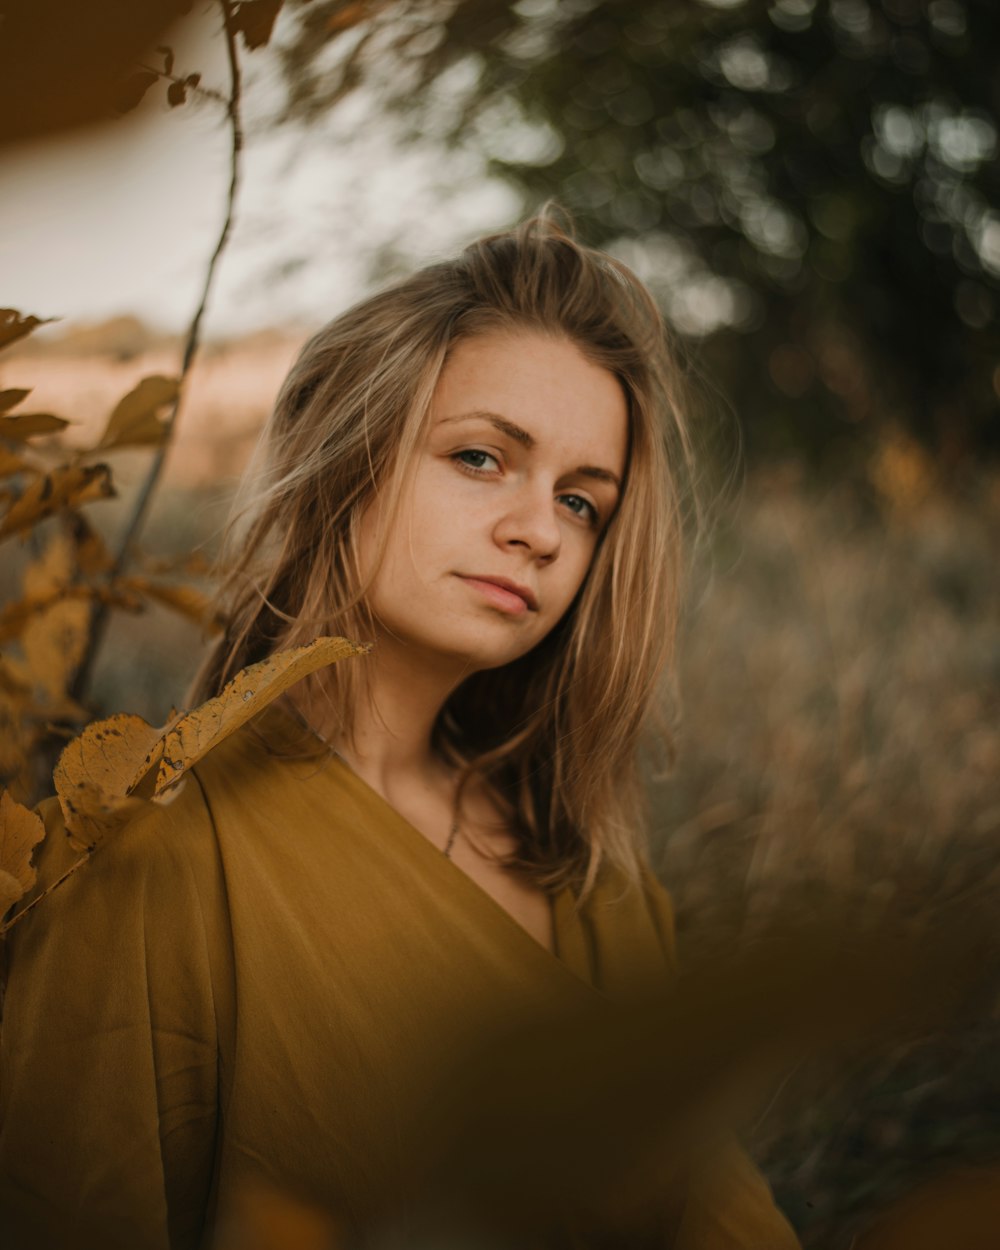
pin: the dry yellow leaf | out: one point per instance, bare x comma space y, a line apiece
250, 691
20, 832
92, 816
10, 399
134, 422
14, 617
67, 486
97, 772
13, 326
189, 602
115, 766
11, 464
52, 571
27, 424
54, 642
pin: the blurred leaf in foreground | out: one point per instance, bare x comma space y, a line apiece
960, 1210
130, 94
602, 1111
63, 64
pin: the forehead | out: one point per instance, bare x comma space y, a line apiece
542, 382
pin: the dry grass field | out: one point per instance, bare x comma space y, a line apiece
840, 738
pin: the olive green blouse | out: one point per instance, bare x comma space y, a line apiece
252, 982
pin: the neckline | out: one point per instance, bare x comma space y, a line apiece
444, 863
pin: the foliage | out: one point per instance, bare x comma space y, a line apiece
808, 184
58, 623
46, 488
119, 765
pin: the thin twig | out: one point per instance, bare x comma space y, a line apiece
9, 924
205, 93
100, 617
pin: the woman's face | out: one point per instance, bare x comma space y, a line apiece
517, 476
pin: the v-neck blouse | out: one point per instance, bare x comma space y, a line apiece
255, 982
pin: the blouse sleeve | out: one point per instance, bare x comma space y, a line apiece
109, 1043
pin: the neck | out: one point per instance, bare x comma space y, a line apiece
390, 746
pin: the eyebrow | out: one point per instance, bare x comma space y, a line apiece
528, 441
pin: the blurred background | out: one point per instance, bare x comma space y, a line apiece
811, 189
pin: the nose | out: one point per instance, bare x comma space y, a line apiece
530, 520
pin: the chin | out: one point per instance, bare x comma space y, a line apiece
484, 653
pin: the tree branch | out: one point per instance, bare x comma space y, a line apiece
100, 617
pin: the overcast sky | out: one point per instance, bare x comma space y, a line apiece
122, 218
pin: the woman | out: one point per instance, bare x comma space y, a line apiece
479, 470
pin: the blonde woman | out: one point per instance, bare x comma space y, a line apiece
480, 470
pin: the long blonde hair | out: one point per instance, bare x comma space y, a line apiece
559, 748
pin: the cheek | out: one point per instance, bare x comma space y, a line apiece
438, 517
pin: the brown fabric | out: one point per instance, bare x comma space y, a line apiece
252, 983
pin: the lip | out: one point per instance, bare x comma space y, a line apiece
510, 592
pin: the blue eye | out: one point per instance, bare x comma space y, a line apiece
587, 512
472, 451
593, 514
